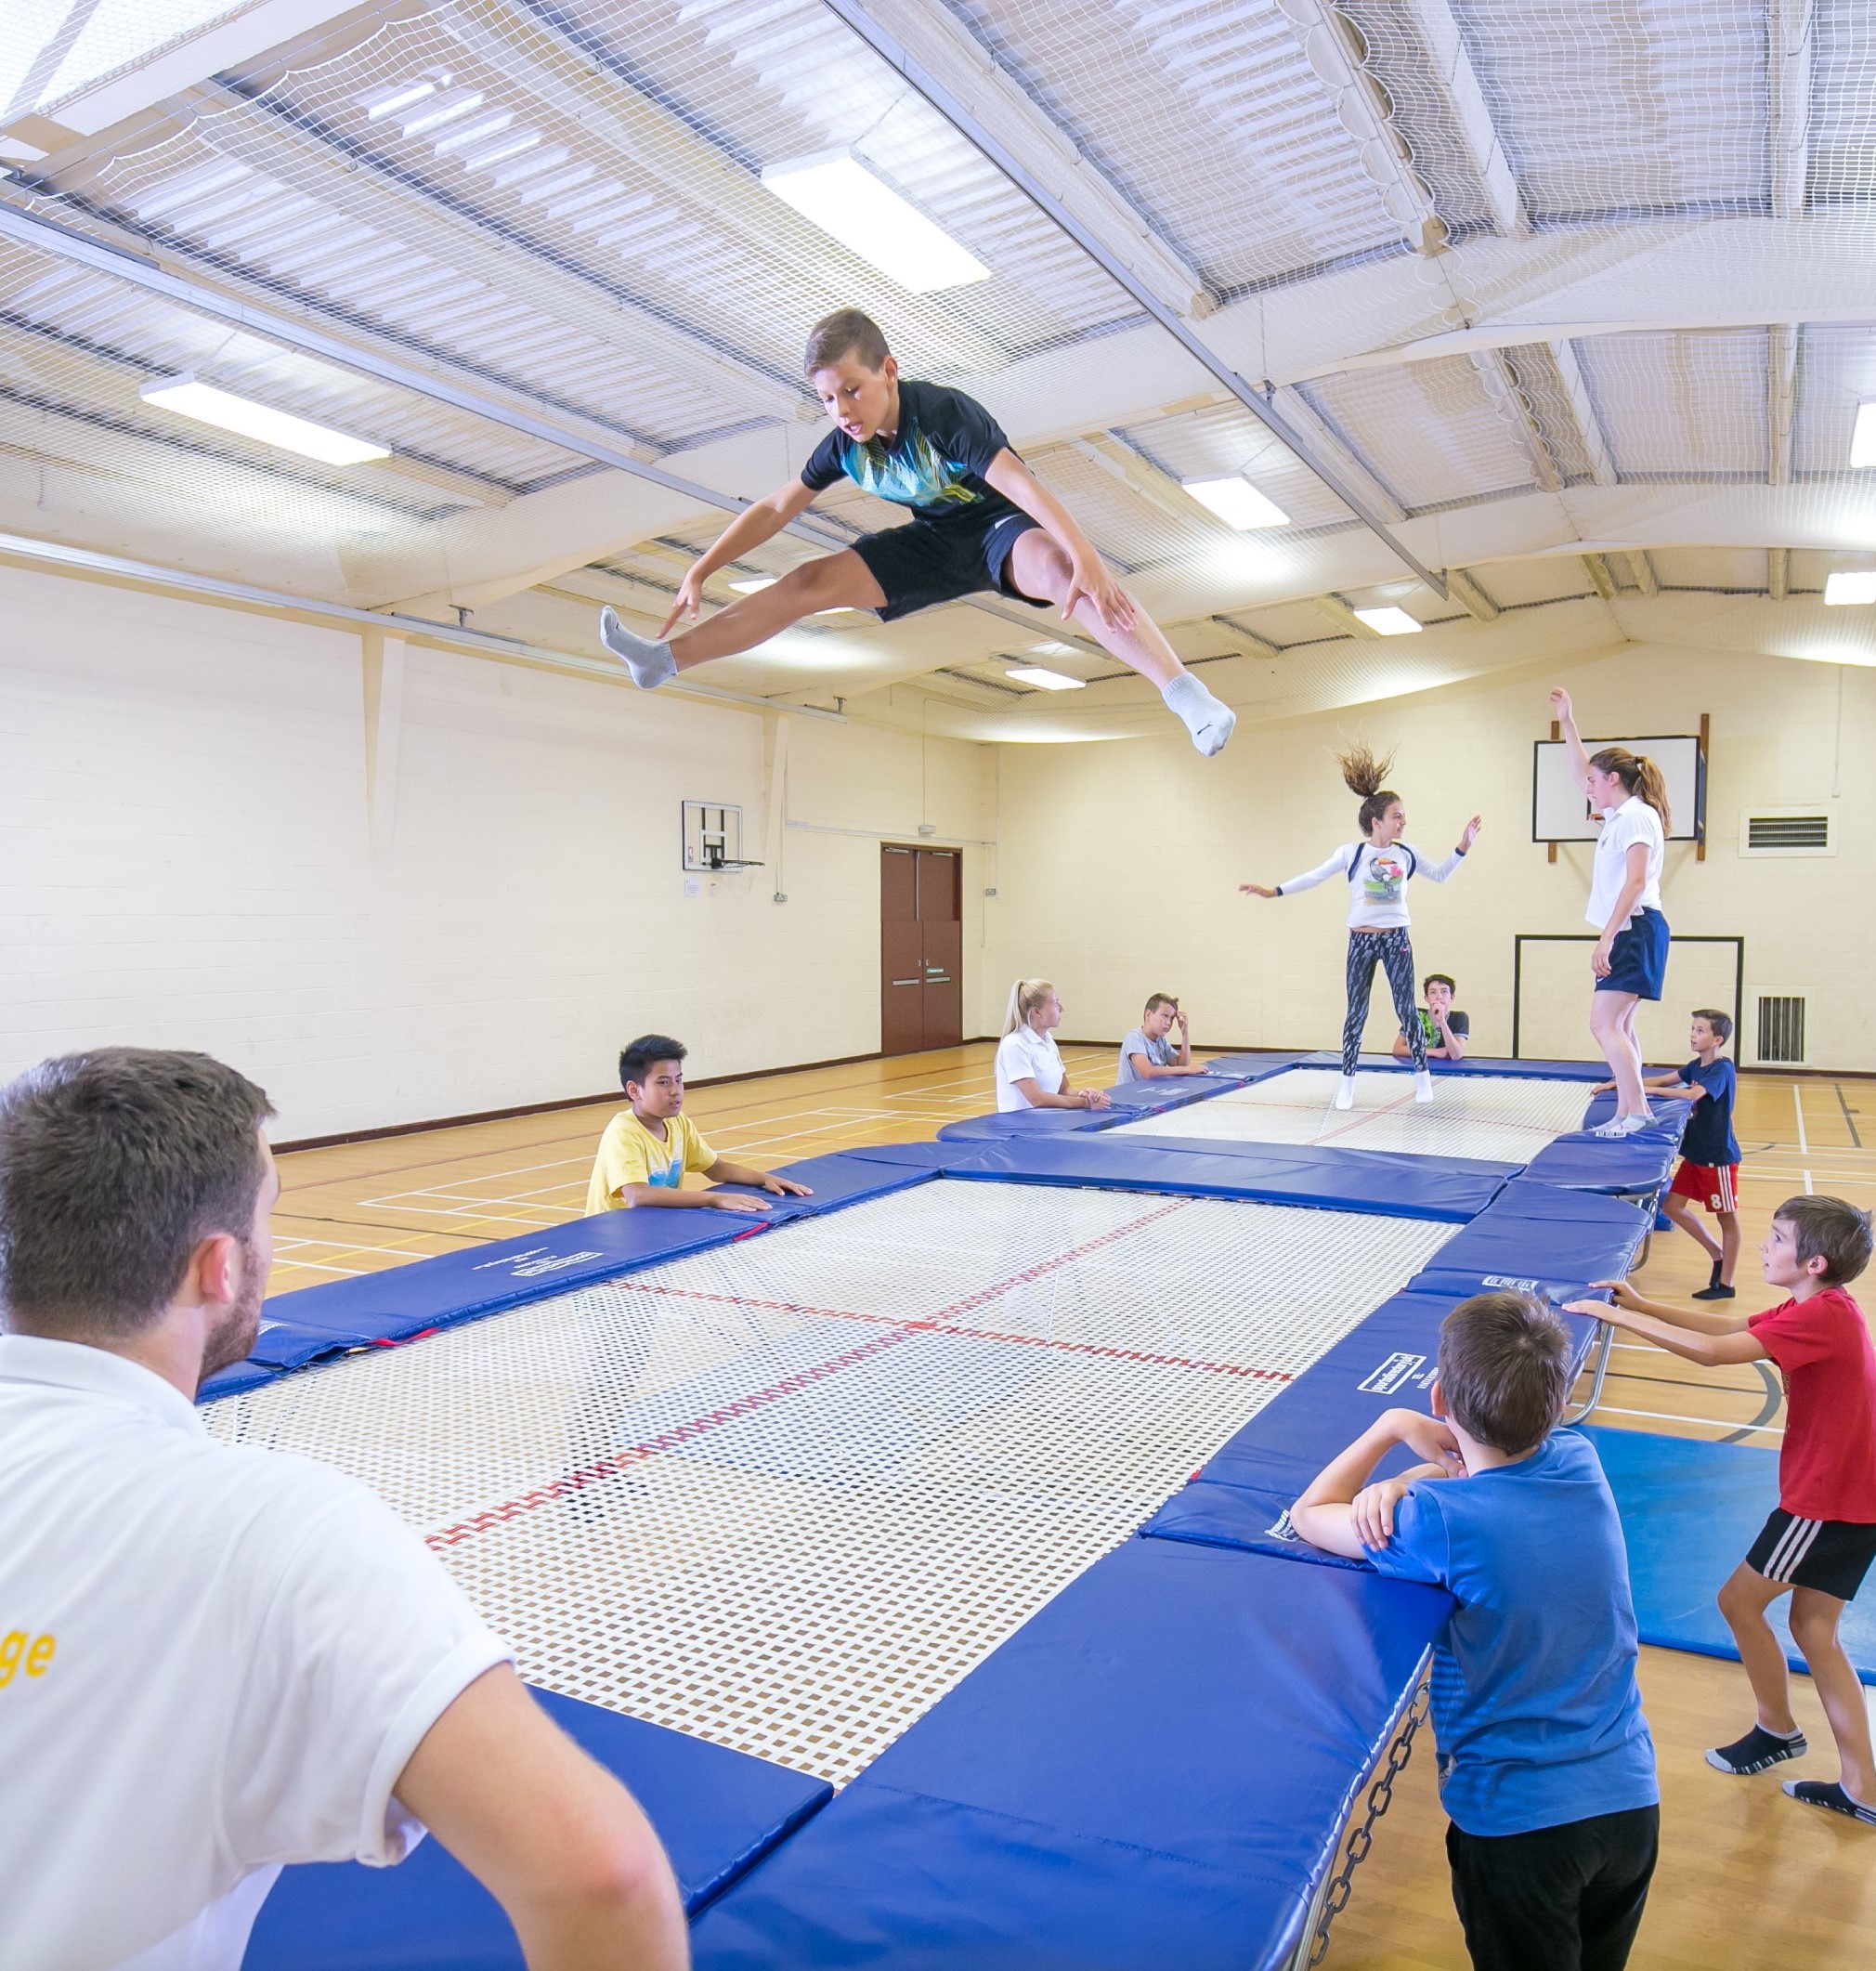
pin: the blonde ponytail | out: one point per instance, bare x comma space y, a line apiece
1025, 995
1638, 775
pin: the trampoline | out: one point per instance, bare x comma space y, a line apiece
784, 1493
1491, 1118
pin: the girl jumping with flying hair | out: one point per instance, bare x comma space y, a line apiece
1378, 869
1631, 957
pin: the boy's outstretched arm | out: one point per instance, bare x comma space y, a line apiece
1092, 578
761, 522
724, 1172
1711, 1340
1338, 1510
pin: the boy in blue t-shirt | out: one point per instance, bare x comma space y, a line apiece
1708, 1173
1546, 1767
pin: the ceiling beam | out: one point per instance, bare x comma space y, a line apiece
1327, 443
1260, 645
1141, 476
1642, 571
956, 111
1601, 578
1507, 396
1777, 572
1583, 409
1471, 115
1343, 617
1781, 400
1464, 590
1788, 88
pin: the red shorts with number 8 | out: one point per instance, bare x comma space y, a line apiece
1715, 1187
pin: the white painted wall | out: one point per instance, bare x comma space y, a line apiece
1121, 864
185, 860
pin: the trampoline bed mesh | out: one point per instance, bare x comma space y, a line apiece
1496, 1118
784, 1494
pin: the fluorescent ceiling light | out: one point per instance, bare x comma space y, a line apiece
1237, 502
1850, 585
1391, 621
839, 195
749, 585
1863, 438
1045, 680
209, 406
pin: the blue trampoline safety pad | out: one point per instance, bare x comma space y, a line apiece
717, 1812
1540, 1237
1632, 1167
1690, 1510
1151, 1773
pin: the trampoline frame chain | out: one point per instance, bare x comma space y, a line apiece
1332, 1894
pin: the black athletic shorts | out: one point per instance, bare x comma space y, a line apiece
1830, 1554
929, 561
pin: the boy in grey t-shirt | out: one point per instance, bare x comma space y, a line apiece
1147, 1054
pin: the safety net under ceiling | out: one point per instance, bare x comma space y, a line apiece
781, 1494
1504, 1120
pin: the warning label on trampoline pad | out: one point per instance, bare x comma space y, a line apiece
1395, 1372
537, 1260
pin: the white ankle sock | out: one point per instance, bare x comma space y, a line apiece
1210, 720
649, 661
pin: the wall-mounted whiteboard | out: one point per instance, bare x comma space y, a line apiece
1559, 812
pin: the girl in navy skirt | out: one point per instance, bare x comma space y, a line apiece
1631, 956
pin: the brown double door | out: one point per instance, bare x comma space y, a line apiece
921, 948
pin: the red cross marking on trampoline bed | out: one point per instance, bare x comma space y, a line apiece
678, 1435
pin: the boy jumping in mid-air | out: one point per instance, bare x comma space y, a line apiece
1709, 1169
648, 1149
980, 521
1546, 1763
1820, 1539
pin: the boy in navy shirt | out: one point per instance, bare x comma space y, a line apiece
980, 521
1546, 1763
1708, 1173
1820, 1539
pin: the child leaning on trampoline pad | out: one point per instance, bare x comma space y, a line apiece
1546, 1767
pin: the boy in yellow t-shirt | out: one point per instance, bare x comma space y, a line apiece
648, 1149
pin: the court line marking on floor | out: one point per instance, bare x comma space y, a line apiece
1667, 1416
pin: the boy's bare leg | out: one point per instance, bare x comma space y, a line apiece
1039, 567
1730, 1246
831, 582
1743, 1602
1683, 1214
1815, 1616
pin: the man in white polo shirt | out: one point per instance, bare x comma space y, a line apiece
215, 1660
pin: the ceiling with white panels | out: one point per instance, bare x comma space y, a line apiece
1577, 307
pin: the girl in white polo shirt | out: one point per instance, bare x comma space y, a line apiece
1378, 869
1631, 957
1030, 1074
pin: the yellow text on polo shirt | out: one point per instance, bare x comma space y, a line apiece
19, 1651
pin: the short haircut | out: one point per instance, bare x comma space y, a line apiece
1439, 978
636, 1061
847, 332
1504, 1369
114, 1166
1721, 1022
1828, 1229
1161, 999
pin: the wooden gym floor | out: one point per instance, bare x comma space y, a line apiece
1748, 1879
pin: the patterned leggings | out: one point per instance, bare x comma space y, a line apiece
1393, 949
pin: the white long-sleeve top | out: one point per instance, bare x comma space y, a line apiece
1378, 879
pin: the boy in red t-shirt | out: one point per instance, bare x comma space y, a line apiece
1818, 1544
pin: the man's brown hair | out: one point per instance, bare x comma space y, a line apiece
1828, 1229
1504, 1369
847, 332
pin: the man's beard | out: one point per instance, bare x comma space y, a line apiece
234, 1336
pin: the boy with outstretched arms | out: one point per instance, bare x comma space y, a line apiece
1444, 1031
1546, 1768
1818, 1542
1147, 1054
648, 1148
1708, 1173
982, 521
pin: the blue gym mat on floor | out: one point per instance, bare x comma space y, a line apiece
1689, 1511
717, 1812
1148, 1776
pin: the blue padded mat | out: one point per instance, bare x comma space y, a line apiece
1151, 1773
1240, 1497
1128, 1104
1252, 1066
1382, 1182
1542, 1238
301, 1326
1690, 1510
717, 1812
1629, 1168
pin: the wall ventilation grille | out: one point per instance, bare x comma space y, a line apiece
1782, 1030
1786, 831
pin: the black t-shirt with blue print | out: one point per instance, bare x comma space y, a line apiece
935, 464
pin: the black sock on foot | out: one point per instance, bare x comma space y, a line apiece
1756, 1751
1829, 1793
